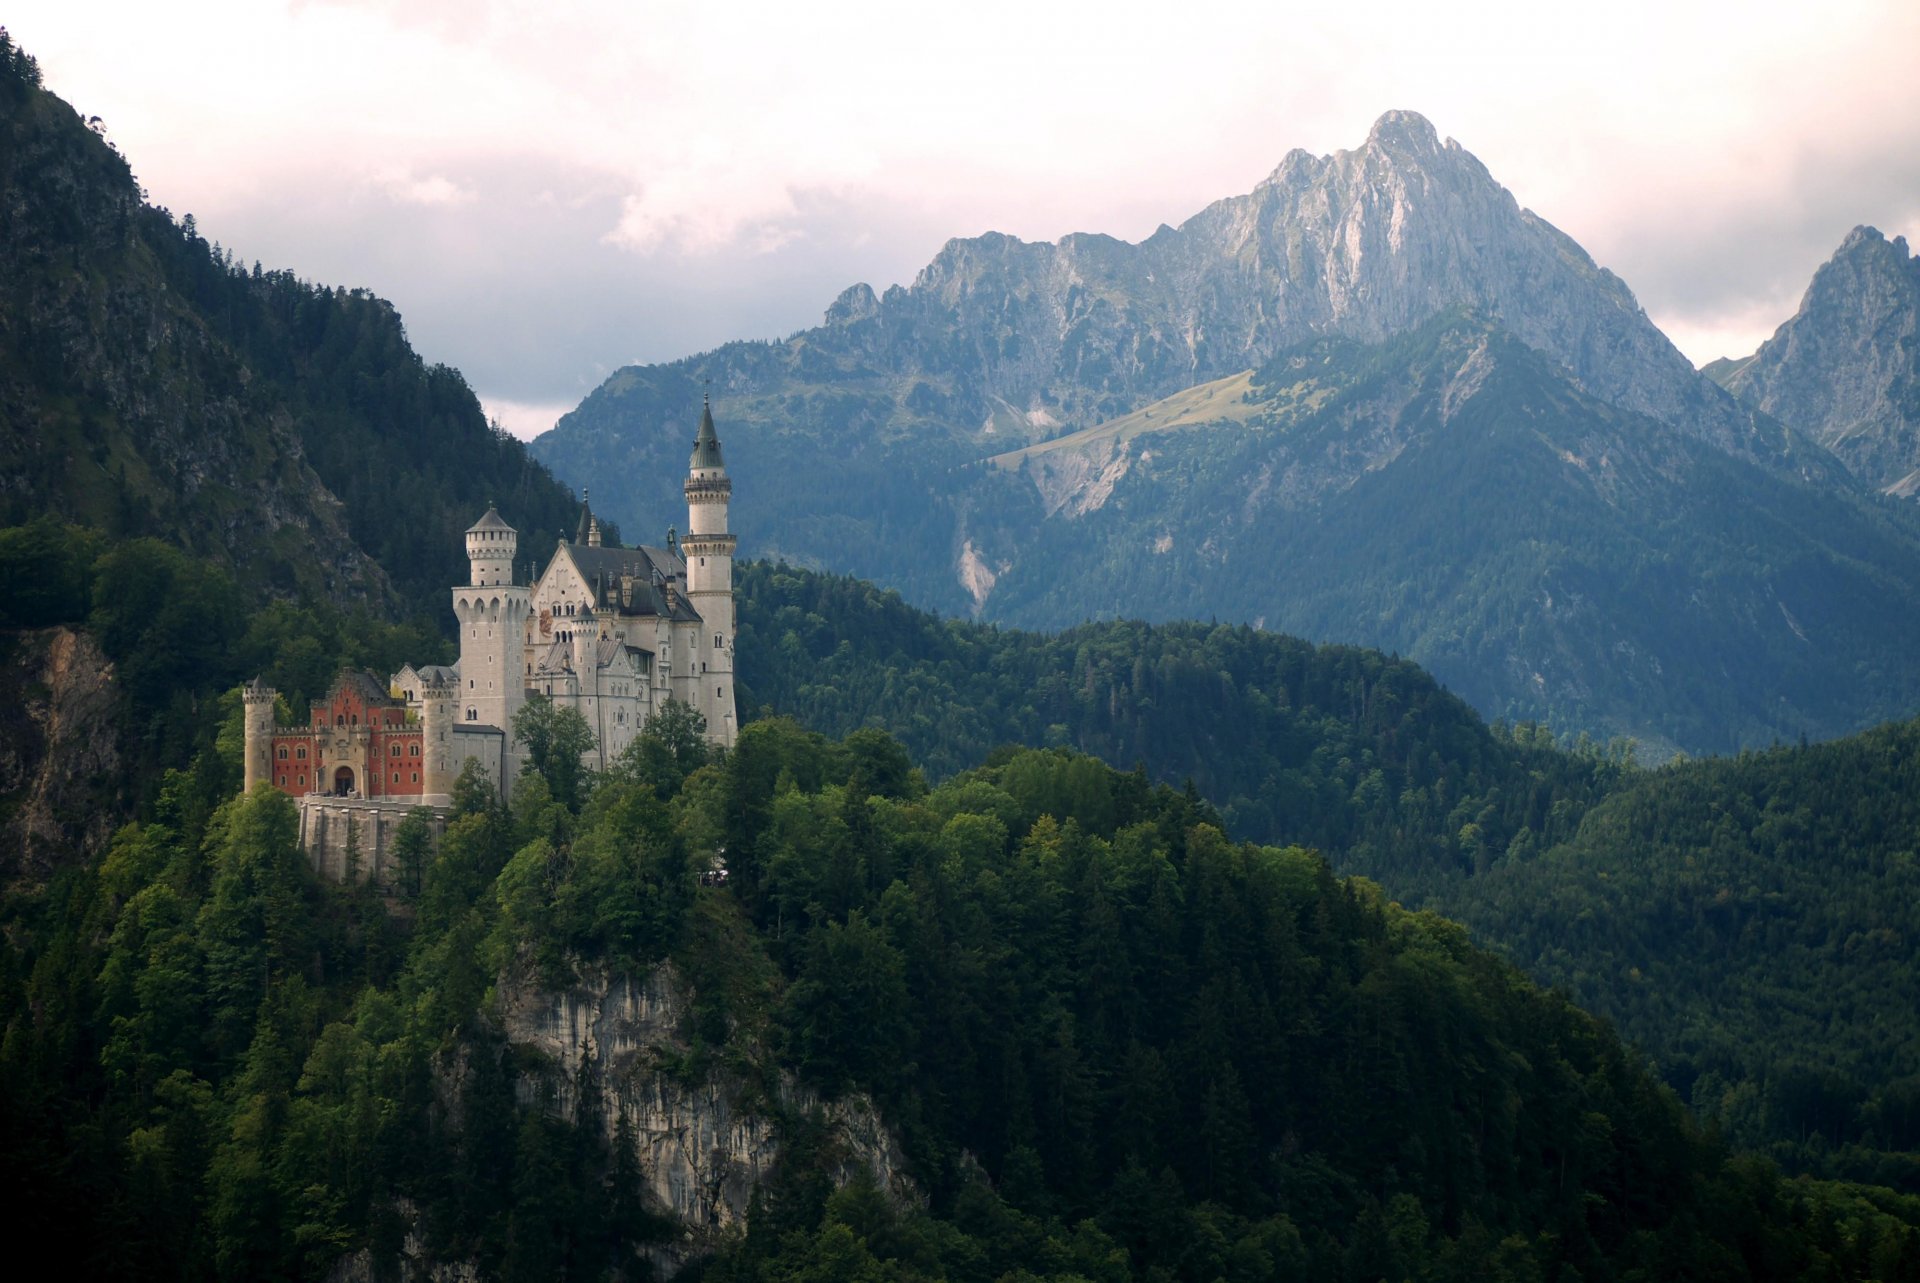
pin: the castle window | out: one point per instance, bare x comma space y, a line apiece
716, 641
303, 780
718, 691
414, 749
283, 754
416, 777
469, 683
396, 751
473, 715
301, 752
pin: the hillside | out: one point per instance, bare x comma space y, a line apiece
1747, 921
1043, 1018
150, 385
1752, 923
1448, 495
1373, 401
1362, 756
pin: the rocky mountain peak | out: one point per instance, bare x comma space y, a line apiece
856, 303
1404, 132
1845, 368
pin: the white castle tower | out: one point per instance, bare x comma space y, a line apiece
708, 549
492, 611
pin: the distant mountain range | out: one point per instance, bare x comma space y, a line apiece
1374, 400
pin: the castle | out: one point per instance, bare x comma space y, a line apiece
610, 632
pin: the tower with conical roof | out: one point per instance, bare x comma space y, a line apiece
492, 611
708, 549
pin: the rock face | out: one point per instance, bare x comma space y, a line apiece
59, 751
1845, 369
1000, 341
705, 1140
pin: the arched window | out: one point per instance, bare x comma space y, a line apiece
396, 751
301, 752
282, 753
413, 750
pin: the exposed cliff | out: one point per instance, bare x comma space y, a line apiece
59, 752
708, 1135
1845, 368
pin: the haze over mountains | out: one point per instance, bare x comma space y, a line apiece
1373, 400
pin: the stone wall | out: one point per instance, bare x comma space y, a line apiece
341, 831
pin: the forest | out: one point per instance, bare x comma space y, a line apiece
1111, 1043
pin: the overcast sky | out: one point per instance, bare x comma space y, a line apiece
548, 191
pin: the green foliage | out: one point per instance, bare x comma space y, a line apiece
1752, 923
1363, 756
556, 739
1112, 1044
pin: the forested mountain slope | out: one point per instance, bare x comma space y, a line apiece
1366, 757
152, 386
1102, 1041
1749, 921
1754, 923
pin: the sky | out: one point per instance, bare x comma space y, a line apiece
550, 191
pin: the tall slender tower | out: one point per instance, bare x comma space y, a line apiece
708, 549
492, 611
438, 700
257, 764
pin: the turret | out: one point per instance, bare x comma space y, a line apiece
588, 535
437, 701
708, 549
258, 755
491, 543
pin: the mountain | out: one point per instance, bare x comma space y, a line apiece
152, 386
1558, 526
1845, 368
1450, 494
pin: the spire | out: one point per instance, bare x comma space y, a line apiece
586, 519
706, 446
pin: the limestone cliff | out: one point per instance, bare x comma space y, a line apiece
1845, 368
707, 1134
59, 752
707, 1138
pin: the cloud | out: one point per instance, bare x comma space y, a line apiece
548, 198
434, 189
